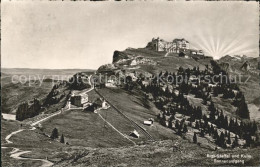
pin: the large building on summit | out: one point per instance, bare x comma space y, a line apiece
176, 46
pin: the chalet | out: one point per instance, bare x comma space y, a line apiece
212, 85
235, 92
146, 83
110, 83
100, 103
176, 92
134, 134
196, 52
105, 105
149, 123
79, 100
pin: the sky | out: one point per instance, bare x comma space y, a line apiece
63, 35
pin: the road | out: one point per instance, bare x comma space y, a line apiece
16, 153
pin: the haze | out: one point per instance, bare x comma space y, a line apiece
55, 35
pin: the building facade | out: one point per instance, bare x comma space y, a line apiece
79, 100
175, 46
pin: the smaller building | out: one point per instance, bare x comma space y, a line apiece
105, 105
134, 134
149, 123
196, 52
79, 100
110, 83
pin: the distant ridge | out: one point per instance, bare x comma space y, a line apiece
48, 68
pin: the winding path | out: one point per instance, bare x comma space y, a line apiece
16, 152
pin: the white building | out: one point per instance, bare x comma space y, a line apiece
174, 46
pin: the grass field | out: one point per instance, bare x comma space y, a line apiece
84, 128
137, 108
161, 153
172, 64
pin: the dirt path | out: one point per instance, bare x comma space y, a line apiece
16, 152
17, 155
11, 134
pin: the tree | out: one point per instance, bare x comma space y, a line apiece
202, 133
235, 143
212, 110
54, 134
170, 123
229, 140
197, 126
181, 54
215, 134
185, 129
194, 138
179, 130
215, 91
254, 128
177, 124
242, 109
62, 139
221, 140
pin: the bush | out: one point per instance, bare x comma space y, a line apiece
62, 139
54, 134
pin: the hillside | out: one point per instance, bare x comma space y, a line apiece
176, 152
245, 68
103, 136
35, 83
145, 60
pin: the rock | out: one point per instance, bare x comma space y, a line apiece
106, 67
245, 66
119, 55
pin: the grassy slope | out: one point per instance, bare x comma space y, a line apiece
161, 153
251, 88
83, 128
138, 109
15, 93
6, 128
171, 63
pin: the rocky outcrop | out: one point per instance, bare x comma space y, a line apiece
57, 93
245, 66
119, 56
106, 68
